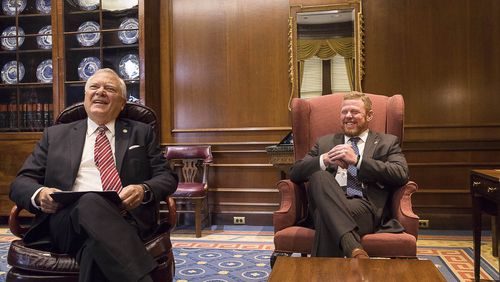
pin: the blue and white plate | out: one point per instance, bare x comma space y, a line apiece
9, 37
9, 6
88, 39
43, 6
88, 5
88, 66
44, 71
130, 34
9, 72
44, 40
129, 66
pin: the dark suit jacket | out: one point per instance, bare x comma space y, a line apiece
56, 159
383, 167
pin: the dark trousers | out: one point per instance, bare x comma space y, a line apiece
335, 214
106, 245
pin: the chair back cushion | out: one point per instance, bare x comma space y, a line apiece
191, 163
131, 111
203, 152
315, 117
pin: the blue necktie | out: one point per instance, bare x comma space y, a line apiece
353, 186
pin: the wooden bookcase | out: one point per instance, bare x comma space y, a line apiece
28, 105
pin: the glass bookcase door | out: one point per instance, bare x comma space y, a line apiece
26, 81
100, 34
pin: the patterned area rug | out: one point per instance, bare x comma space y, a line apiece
241, 253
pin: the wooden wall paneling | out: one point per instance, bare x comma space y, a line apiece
16, 148
149, 13
483, 62
165, 29
414, 49
227, 65
238, 136
441, 169
438, 55
242, 183
456, 132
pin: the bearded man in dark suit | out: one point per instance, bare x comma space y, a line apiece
350, 181
106, 240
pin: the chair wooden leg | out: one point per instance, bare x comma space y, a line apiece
207, 207
197, 217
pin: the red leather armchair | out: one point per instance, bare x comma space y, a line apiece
319, 116
29, 264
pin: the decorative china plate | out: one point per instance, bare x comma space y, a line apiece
9, 37
9, 72
88, 39
44, 40
43, 6
130, 34
88, 66
44, 71
9, 6
88, 5
129, 66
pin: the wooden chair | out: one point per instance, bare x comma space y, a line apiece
319, 116
192, 164
38, 265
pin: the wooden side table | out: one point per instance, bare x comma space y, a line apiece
485, 192
300, 269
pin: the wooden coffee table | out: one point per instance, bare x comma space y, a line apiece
340, 269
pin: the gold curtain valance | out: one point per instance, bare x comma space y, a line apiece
325, 48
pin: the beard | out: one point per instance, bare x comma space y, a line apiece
355, 129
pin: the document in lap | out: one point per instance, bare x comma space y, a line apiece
68, 197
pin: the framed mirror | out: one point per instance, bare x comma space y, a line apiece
325, 48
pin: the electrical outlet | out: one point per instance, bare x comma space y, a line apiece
239, 219
423, 223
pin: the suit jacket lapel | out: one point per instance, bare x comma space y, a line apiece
122, 136
371, 144
75, 145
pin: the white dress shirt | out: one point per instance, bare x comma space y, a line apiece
341, 175
88, 177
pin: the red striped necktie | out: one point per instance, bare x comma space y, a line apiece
103, 158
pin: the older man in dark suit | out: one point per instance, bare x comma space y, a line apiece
106, 238
351, 177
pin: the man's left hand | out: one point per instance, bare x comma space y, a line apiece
343, 153
132, 196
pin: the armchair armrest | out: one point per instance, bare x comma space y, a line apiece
293, 205
172, 212
402, 208
14, 225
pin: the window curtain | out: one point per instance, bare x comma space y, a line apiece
325, 49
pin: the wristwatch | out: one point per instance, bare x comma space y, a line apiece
148, 195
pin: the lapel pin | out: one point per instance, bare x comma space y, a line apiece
124, 130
